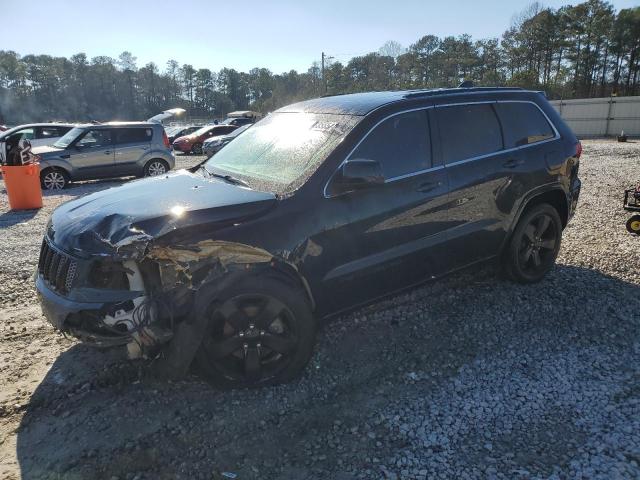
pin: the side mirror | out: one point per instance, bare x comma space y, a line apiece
358, 174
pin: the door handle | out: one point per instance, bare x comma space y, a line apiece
513, 163
428, 186
108, 152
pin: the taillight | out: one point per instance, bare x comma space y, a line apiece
578, 150
165, 139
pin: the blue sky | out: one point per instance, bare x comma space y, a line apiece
280, 35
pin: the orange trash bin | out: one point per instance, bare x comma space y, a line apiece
23, 186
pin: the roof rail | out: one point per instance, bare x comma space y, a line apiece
445, 91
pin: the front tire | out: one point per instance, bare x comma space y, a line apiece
633, 225
260, 331
54, 179
155, 167
534, 246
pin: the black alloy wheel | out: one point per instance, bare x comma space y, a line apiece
534, 245
256, 337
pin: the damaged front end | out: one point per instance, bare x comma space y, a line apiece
101, 301
135, 302
114, 273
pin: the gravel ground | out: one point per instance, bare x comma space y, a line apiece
467, 377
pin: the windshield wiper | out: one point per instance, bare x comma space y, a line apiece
227, 178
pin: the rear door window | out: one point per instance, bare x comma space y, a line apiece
133, 135
468, 131
523, 124
401, 144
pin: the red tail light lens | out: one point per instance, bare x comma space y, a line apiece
578, 150
165, 139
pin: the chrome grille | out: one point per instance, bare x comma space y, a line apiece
57, 268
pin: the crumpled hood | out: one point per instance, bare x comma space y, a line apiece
122, 221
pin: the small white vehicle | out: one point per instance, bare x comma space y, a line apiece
38, 134
46, 134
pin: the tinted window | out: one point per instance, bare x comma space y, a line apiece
523, 123
96, 138
133, 135
468, 131
401, 144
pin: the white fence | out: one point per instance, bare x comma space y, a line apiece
601, 117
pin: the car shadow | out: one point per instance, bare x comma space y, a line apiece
96, 415
13, 217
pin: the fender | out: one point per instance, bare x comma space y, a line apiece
57, 163
236, 261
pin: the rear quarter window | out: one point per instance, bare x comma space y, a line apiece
468, 131
133, 135
523, 124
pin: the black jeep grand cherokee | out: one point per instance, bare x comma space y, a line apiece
322, 206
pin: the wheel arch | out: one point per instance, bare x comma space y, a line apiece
56, 167
553, 195
243, 261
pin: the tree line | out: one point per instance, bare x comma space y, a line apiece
576, 51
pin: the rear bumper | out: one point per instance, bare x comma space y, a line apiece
574, 193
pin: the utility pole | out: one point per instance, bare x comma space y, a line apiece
324, 79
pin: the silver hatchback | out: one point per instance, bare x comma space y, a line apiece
114, 149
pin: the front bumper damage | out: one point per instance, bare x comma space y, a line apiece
104, 318
159, 303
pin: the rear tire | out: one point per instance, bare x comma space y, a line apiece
155, 167
633, 225
532, 250
54, 179
260, 331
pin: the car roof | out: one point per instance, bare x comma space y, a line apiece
29, 125
363, 103
118, 124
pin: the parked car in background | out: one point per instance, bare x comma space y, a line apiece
105, 150
38, 134
323, 206
240, 118
193, 142
212, 145
3, 128
180, 131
